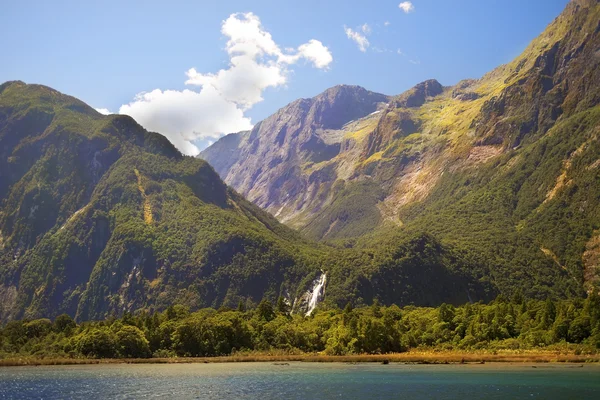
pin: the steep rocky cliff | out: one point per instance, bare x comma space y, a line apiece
281, 165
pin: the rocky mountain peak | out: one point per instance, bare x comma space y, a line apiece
343, 103
417, 96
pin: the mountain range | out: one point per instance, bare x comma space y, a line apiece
99, 217
439, 194
505, 166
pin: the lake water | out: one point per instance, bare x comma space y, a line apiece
301, 381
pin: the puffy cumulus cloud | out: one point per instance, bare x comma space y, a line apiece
406, 6
361, 41
315, 52
183, 116
256, 62
103, 111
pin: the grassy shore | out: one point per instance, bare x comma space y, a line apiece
415, 357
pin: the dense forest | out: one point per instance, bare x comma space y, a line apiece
504, 324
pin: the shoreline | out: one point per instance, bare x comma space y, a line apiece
422, 358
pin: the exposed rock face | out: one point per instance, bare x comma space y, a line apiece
417, 96
558, 73
99, 217
273, 165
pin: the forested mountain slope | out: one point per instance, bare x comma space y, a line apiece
99, 217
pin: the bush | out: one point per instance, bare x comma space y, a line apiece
64, 323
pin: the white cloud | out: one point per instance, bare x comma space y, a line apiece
183, 116
361, 41
256, 63
315, 52
387, 23
366, 29
406, 6
103, 111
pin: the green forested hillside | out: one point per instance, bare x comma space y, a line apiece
99, 217
531, 213
441, 194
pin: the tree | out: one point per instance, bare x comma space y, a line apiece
241, 306
265, 310
177, 312
38, 327
131, 342
127, 318
348, 308
16, 334
65, 324
376, 309
560, 330
518, 297
580, 329
592, 308
392, 314
549, 314
97, 343
446, 313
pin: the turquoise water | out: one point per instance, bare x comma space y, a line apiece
301, 381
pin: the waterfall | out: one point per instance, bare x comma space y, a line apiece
317, 293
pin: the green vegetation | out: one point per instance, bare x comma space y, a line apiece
103, 222
352, 213
508, 176
518, 324
99, 216
503, 213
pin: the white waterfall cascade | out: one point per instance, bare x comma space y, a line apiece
317, 293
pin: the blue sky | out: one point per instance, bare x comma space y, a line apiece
106, 53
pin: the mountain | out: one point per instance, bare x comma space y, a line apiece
505, 167
281, 164
99, 217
